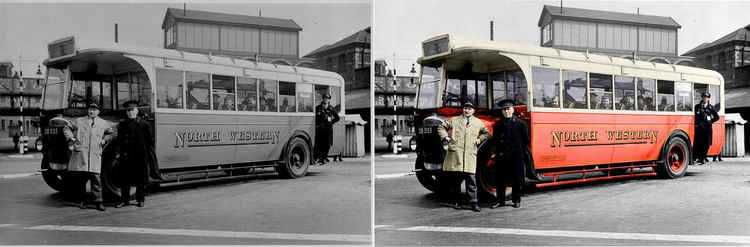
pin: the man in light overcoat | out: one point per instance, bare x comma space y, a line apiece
89, 135
462, 134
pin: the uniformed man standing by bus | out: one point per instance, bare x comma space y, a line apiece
705, 116
89, 135
462, 134
510, 138
325, 117
136, 163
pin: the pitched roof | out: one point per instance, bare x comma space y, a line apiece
231, 19
738, 35
362, 36
608, 16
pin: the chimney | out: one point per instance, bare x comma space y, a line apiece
492, 30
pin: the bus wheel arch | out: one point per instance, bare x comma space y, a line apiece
675, 156
296, 157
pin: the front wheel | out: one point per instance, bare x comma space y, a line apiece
428, 179
297, 159
56, 180
675, 159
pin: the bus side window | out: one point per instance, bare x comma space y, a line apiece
601, 91
287, 97
498, 88
197, 90
247, 94
143, 91
624, 93
517, 87
268, 95
715, 97
336, 98
684, 99
646, 89
574, 89
698, 90
546, 87
320, 90
304, 97
666, 95
122, 82
222, 92
168, 89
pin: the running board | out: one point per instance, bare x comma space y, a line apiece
607, 176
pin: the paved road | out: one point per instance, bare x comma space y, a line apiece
709, 206
329, 206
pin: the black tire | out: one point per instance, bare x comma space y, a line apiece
297, 159
675, 158
428, 179
56, 180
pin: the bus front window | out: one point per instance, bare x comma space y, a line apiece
461, 88
429, 87
54, 92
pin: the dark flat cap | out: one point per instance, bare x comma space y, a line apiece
130, 104
94, 105
469, 105
505, 104
706, 94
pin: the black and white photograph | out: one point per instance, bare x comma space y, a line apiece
185, 123
561, 123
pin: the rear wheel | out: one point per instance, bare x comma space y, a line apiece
297, 159
675, 159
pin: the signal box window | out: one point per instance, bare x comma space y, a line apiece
268, 95
429, 86
698, 90
546, 87
684, 99
463, 88
222, 92
624, 93
287, 97
666, 96
646, 94
601, 91
304, 97
574, 92
247, 94
715, 97
517, 87
197, 90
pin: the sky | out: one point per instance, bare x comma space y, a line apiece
27, 27
399, 26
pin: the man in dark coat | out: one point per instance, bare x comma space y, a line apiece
705, 116
510, 140
137, 162
325, 117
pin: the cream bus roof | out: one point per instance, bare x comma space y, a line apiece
84, 46
458, 44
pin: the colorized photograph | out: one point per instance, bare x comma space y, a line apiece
561, 123
182, 123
